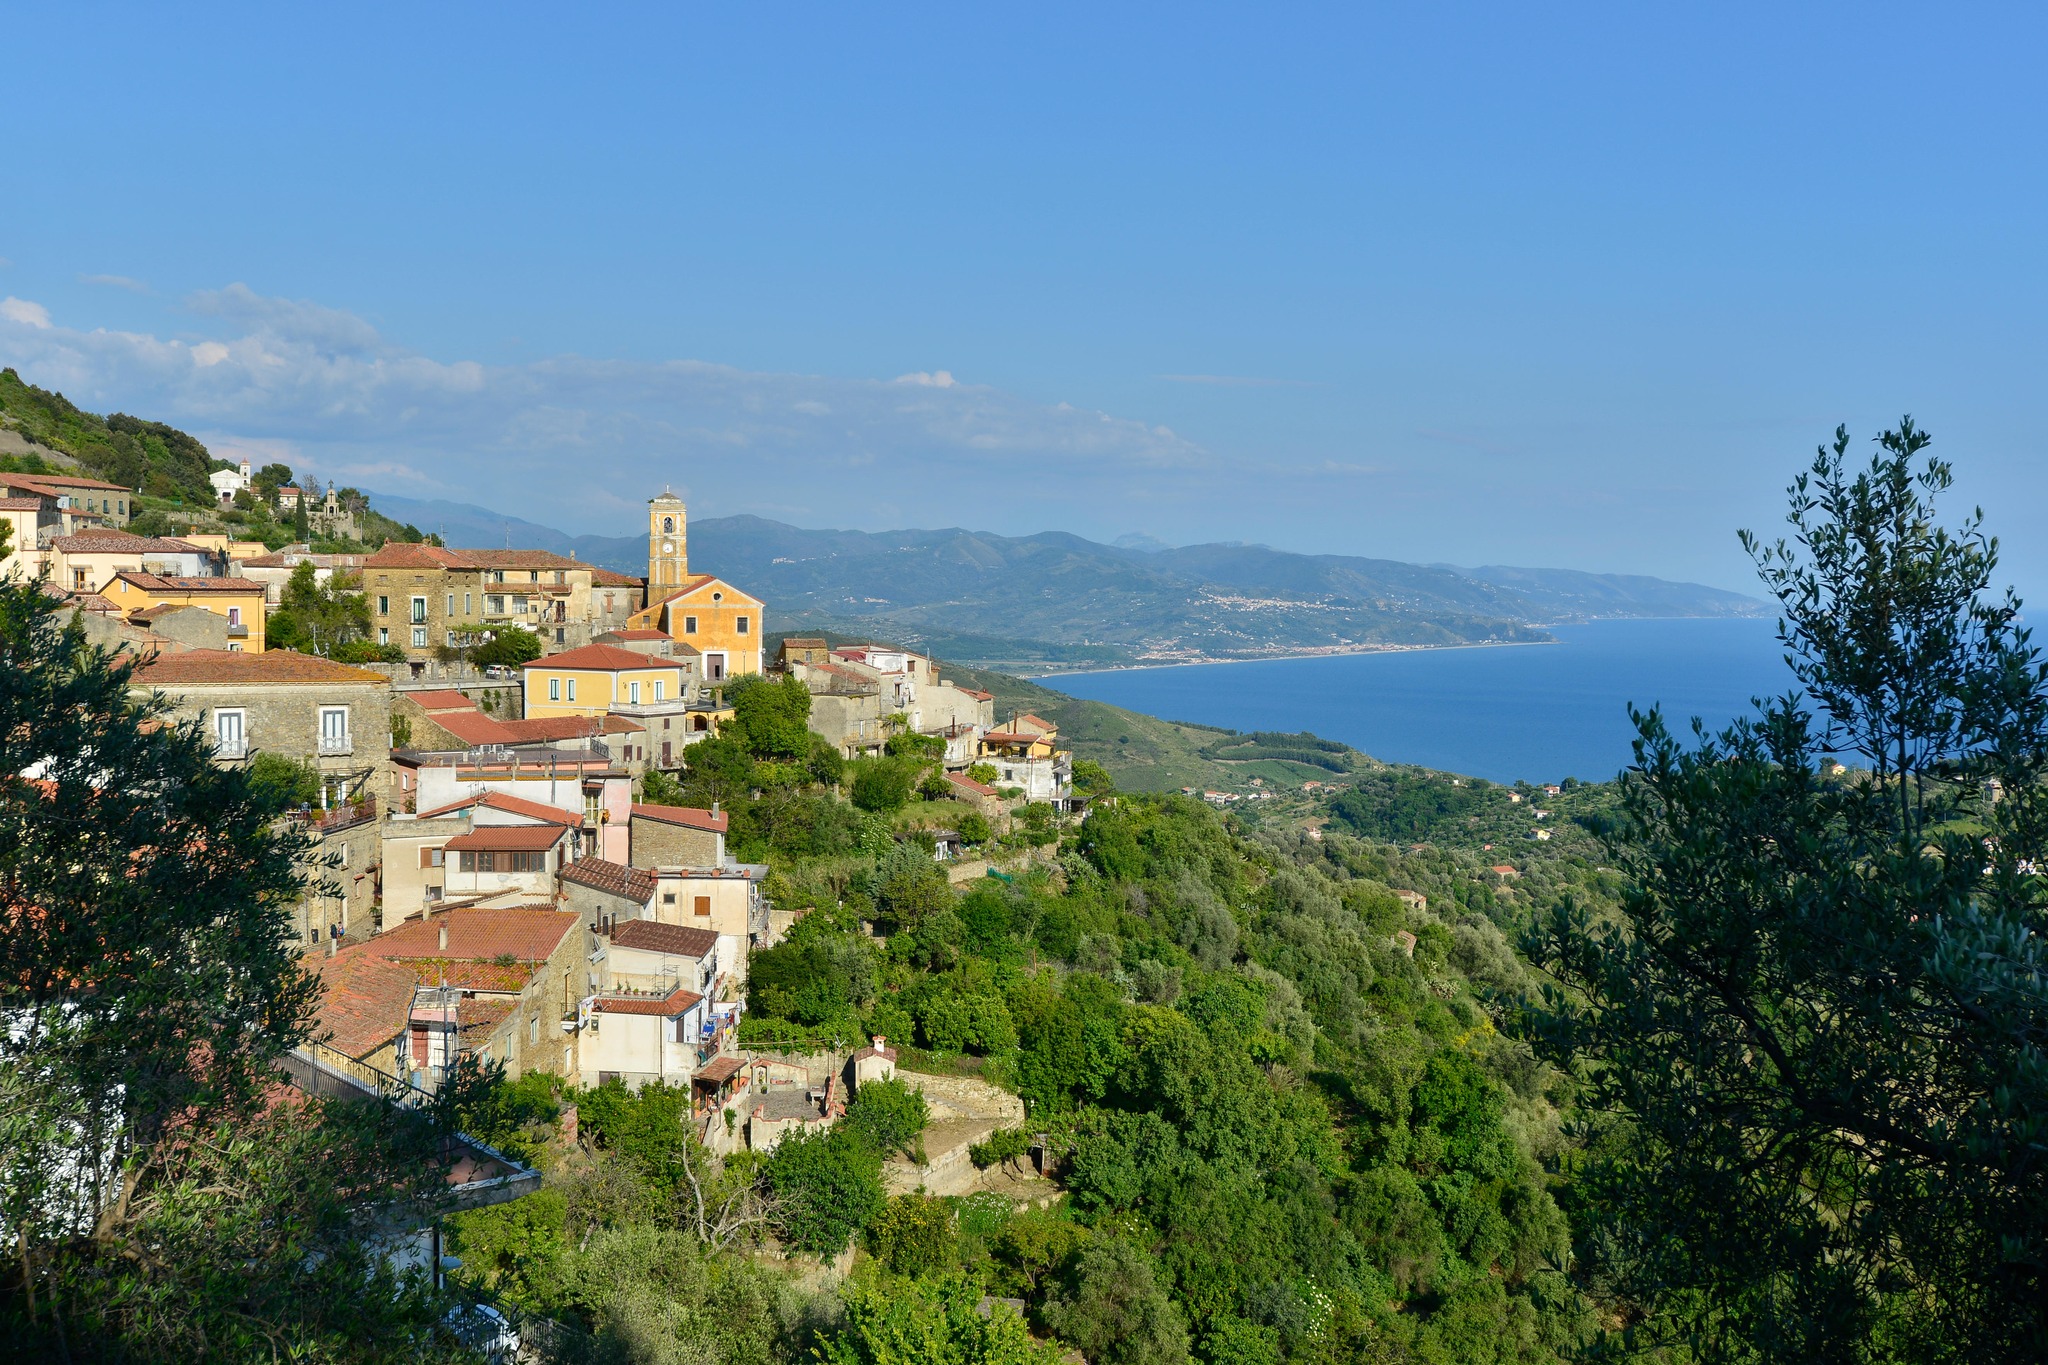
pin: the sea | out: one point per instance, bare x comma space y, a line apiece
1539, 713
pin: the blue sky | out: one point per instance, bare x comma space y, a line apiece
1541, 285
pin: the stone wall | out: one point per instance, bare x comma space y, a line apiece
656, 843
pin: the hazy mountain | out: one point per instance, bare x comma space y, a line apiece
1053, 598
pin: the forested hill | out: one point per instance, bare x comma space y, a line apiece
160, 460
1054, 600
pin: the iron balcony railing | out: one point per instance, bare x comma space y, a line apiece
337, 744
231, 748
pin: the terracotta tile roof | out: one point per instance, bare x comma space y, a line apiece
804, 642
469, 975
521, 559
150, 582
979, 696
698, 582
604, 658
406, 555
292, 558
628, 882
271, 666
650, 936
74, 481
611, 635
966, 783
689, 816
473, 728
718, 1069
526, 933
440, 699
509, 838
161, 609
121, 542
667, 1007
619, 725
21, 504
511, 805
477, 1020
1045, 726
605, 578
364, 1000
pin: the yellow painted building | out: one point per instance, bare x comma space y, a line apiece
723, 624
238, 599
592, 680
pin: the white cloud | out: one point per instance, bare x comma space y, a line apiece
133, 286
564, 438
21, 310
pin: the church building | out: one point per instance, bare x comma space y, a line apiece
723, 624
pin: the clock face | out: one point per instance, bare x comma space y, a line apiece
668, 547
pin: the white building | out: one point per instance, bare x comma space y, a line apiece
228, 482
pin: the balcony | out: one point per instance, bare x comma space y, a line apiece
231, 748
337, 744
237, 631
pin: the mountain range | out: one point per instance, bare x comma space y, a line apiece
1052, 600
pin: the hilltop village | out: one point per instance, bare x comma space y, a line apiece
489, 771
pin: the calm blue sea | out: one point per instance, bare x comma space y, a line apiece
1540, 712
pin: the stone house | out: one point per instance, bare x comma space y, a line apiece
646, 955
82, 503
514, 977
415, 862
570, 780
273, 569
365, 1009
492, 860
677, 836
344, 872
642, 1037
332, 716
239, 601
606, 893
725, 900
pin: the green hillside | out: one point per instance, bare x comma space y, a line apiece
159, 460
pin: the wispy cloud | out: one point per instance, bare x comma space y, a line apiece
572, 438
1236, 381
133, 286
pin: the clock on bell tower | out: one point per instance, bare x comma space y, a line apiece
668, 547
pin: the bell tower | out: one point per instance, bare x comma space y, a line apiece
668, 554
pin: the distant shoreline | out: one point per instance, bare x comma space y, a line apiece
1326, 653
1333, 651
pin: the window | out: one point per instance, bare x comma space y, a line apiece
497, 575
633, 694
234, 646
334, 730
572, 689
451, 605
419, 610
703, 906
344, 855
487, 861
466, 607
533, 575
234, 616
383, 635
419, 637
230, 739
689, 625
383, 606
590, 807
519, 604
533, 1030
658, 685
668, 898
668, 526
554, 689
78, 579
743, 625
432, 857
494, 604
561, 636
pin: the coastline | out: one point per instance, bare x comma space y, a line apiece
1046, 679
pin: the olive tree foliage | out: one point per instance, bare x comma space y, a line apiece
1813, 1034
157, 1200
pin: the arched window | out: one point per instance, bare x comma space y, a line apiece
668, 526
699, 723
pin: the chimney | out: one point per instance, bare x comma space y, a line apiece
879, 1040
444, 936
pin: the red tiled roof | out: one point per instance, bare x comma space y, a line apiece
963, 780
480, 1018
121, 542
689, 816
74, 481
473, 728
509, 838
150, 582
605, 658
651, 936
406, 555
718, 1068
526, 934
364, 1000
1043, 724
630, 882
441, 699
512, 805
605, 578
521, 559
667, 1007
979, 696
470, 975
23, 505
633, 635
619, 725
271, 666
